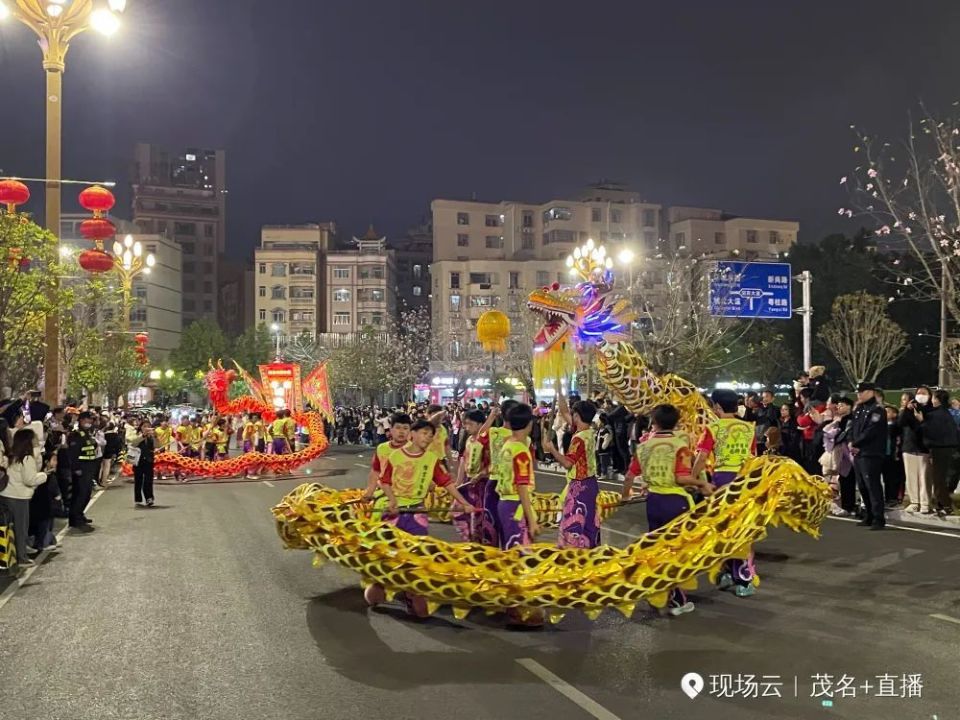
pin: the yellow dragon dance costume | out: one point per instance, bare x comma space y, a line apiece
768, 491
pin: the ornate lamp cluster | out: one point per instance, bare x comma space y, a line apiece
591, 263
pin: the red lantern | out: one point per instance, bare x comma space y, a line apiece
97, 230
13, 193
97, 200
141, 338
96, 261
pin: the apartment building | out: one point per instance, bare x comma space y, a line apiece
414, 253
181, 194
702, 231
287, 276
360, 289
157, 298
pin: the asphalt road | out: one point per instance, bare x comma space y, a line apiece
193, 610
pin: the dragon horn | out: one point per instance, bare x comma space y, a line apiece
219, 364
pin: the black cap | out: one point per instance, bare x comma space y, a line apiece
38, 410
12, 410
864, 386
86, 415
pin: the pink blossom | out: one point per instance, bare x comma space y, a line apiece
843, 179
871, 173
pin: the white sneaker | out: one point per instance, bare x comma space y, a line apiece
26, 563
687, 607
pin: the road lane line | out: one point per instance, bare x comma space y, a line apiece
567, 690
633, 536
268, 483
946, 618
21, 580
955, 536
363, 465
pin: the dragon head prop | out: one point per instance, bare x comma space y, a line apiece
572, 318
218, 382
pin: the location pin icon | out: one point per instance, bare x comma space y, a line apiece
691, 684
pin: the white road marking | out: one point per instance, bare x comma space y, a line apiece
955, 536
363, 465
268, 483
21, 580
946, 618
634, 536
567, 690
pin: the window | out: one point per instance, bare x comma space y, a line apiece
370, 295
514, 281
301, 316
368, 272
207, 267
278, 292
278, 269
341, 273
208, 250
189, 267
151, 248
515, 303
341, 318
278, 315
616, 216
719, 238
526, 242
341, 295
463, 218
376, 319
263, 268
679, 239
649, 218
751, 236
454, 281
183, 228
417, 291
491, 220
559, 236
455, 303
188, 285
463, 240
596, 215
207, 286
417, 271
138, 315
208, 305
262, 315
482, 279
543, 277
484, 301
302, 268
455, 349
527, 220
301, 293
774, 237
494, 242
557, 213
650, 238
208, 231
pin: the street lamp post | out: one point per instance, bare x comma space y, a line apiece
130, 261
276, 331
56, 23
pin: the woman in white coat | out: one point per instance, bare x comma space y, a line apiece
23, 476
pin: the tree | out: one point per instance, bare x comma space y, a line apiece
253, 347
304, 349
862, 336
674, 330
91, 305
122, 371
765, 356
518, 360
201, 342
171, 386
29, 275
411, 347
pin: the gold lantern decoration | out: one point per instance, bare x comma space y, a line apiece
493, 329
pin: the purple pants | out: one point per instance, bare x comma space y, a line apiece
513, 532
743, 571
470, 526
490, 523
413, 523
280, 446
580, 523
247, 446
661, 509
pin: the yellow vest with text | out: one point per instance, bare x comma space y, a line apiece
732, 443
506, 488
658, 462
411, 477
589, 438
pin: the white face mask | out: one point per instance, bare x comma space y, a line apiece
923, 399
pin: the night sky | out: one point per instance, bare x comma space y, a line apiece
364, 111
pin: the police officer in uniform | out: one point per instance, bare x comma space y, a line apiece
868, 440
84, 469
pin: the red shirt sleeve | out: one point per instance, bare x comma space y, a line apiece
484, 439
386, 476
522, 469
375, 463
577, 454
440, 475
707, 442
634, 468
684, 466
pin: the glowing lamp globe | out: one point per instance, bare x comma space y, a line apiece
493, 329
13, 193
97, 199
95, 261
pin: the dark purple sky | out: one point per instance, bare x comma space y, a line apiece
358, 110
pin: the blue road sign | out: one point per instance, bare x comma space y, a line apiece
751, 290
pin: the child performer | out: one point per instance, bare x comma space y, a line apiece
580, 521
399, 436
731, 441
515, 483
407, 475
163, 435
209, 436
494, 439
472, 475
252, 435
664, 458
441, 440
221, 435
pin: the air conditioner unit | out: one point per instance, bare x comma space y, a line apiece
485, 286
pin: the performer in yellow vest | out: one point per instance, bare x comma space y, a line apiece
399, 436
731, 442
664, 459
515, 482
